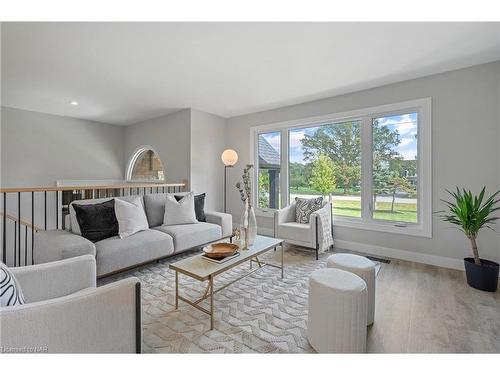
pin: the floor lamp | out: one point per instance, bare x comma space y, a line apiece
229, 158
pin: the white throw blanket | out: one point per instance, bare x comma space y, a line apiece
325, 238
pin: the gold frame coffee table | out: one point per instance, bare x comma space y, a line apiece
203, 270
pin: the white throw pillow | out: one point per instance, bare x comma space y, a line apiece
181, 212
130, 216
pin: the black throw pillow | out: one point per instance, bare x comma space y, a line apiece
97, 221
199, 206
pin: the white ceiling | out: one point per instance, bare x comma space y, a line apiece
123, 73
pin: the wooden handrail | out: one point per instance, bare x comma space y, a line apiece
89, 187
25, 223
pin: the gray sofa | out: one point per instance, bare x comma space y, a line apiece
115, 254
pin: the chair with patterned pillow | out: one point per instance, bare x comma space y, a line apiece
307, 223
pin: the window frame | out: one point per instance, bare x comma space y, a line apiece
422, 106
133, 159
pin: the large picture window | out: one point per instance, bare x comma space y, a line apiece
374, 164
326, 160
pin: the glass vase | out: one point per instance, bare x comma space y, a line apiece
252, 226
248, 227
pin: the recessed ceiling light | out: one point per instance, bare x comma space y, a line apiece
73, 102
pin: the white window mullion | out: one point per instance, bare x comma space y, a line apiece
366, 169
284, 175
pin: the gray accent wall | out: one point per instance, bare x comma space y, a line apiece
465, 137
208, 141
38, 149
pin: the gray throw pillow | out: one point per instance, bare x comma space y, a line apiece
10, 291
181, 212
305, 207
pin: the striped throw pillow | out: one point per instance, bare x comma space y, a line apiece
10, 291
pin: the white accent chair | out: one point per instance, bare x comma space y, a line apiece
364, 268
66, 313
306, 235
337, 312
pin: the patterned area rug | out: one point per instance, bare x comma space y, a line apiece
261, 313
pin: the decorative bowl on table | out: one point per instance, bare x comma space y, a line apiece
220, 250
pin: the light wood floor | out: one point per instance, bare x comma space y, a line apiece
426, 309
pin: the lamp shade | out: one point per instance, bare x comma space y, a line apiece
229, 157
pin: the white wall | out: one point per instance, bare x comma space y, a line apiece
38, 149
465, 122
170, 138
208, 141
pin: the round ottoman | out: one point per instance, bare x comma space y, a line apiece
337, 312
364, 268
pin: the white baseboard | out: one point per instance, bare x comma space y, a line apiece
387, 252
434, 260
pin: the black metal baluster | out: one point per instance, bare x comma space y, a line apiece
45, 208
19, 225
57, 210
4, 225
25, 245
15, 243
32, 226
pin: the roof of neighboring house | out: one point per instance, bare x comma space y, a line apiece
269, 158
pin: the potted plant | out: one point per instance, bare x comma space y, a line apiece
471, 213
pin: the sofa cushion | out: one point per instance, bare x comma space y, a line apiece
155, 208
154, 205
187, 236
295, 231
114, 254
75, 227
57, 244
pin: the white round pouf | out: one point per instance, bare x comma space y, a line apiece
337, 312
364, 268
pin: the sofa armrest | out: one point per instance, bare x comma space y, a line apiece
286, 214
98, 320
224, 220
51, 245
56, 279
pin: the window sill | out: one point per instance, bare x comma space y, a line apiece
386, 227
357, 223
259, 212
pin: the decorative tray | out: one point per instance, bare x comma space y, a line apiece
220, 260
220, 250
